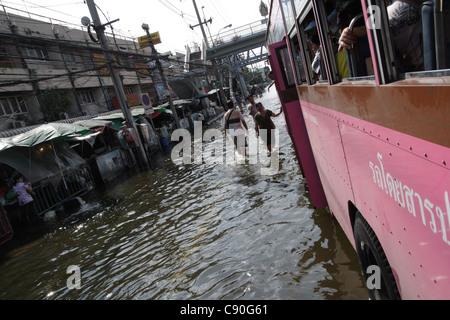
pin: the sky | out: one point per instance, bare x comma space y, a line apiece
171, 18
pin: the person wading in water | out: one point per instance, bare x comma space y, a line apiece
263, 121
233, 126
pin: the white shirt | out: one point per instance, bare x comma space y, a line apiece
235, 129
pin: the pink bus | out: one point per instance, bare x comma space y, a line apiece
371, 129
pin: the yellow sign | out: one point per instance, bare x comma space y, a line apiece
100, 63
144, 43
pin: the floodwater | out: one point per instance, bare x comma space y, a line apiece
201, 231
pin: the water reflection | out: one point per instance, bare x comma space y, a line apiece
193, 232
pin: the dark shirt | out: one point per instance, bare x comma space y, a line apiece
264, 121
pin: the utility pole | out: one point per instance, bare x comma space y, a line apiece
161, 72
207, 46
118, 86
201, 24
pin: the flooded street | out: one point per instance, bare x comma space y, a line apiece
201, 231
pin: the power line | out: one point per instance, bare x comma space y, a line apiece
41, 16
175, 10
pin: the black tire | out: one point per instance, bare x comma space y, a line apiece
370, 253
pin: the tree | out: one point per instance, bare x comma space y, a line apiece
252, 77
54, 104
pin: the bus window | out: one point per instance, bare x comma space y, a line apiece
286, 67
406, 32
299, 5
346, 18
420, 34
297, 60
312, 49
410, 36
436, 34
276, 27
288, 14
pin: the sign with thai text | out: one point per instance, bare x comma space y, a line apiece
144, 43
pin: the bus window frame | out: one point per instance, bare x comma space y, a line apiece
382, 53
325, 41
303, 43
380, 42
440, 69
384, 49
297, 72
301, 38
280, 60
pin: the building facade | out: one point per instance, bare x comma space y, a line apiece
50, 72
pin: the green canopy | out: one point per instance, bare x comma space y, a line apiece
93, 123
163, 110
176, 103
135, 112
41, 134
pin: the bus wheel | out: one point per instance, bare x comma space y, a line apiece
372, 257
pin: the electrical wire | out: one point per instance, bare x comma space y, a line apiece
178, 12
84, 57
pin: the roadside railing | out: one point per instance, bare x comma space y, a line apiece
47, 197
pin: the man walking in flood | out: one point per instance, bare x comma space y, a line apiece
233, 126
263, 121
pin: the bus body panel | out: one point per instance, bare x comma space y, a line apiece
297, 130
390, 186
379, 147
325, 138
414, 106
404, 197
300, 139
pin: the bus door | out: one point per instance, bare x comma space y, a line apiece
283, 75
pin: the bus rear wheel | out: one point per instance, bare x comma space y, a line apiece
371, 254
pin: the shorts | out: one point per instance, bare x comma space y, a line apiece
266, 136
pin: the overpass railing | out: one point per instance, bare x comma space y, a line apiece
240, 32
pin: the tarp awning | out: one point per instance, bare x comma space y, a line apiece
41, 134
205, 95
94, 123
163, 110
135, 112
46, 161
176, 103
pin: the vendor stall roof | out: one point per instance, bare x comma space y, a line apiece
94, 123
177, 103
41, 134
135, 112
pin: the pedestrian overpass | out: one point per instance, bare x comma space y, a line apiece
238, 48
247, 41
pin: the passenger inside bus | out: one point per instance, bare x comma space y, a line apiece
315, 49
406, 32
314, 43
354, 38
